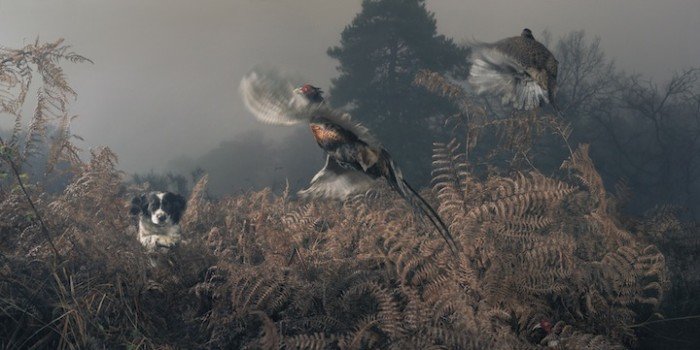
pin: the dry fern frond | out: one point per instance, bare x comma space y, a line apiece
315, 341
581, 163
436, 83
515, 198
450, 179
636, 275
197, 205
53, 98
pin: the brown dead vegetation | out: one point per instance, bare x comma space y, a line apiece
267, 271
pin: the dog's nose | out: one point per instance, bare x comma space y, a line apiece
161, 218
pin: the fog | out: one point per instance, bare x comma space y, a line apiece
163, 85
575, 225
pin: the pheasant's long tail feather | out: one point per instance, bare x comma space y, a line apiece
418, 202
395, 179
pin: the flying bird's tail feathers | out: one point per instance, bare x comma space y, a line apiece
417, 202
497, 73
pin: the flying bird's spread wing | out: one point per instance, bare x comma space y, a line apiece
497, 73
271, 98
520, 69
337, 182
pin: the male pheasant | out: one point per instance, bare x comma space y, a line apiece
354, 158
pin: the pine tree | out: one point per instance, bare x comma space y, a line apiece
380, 52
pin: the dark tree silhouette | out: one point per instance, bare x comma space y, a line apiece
380, 52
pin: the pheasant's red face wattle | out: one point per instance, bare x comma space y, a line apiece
546, 325
311, 92
307, 89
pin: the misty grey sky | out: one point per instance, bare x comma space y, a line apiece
164, 82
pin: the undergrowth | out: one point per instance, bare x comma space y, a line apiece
261, 270
266, 271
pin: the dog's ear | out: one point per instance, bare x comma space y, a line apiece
137, 204
179, 204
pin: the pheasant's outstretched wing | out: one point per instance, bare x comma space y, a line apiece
336, 181
271, 98
395, 178
497, 73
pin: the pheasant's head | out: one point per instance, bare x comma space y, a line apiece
545, 325
312, 93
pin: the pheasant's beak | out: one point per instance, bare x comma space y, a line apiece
537, 326
298, 91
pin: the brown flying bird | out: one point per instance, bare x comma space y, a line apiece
354, 158
519, 69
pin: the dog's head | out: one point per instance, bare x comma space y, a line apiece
160, 208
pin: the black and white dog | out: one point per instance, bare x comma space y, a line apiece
159, 217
